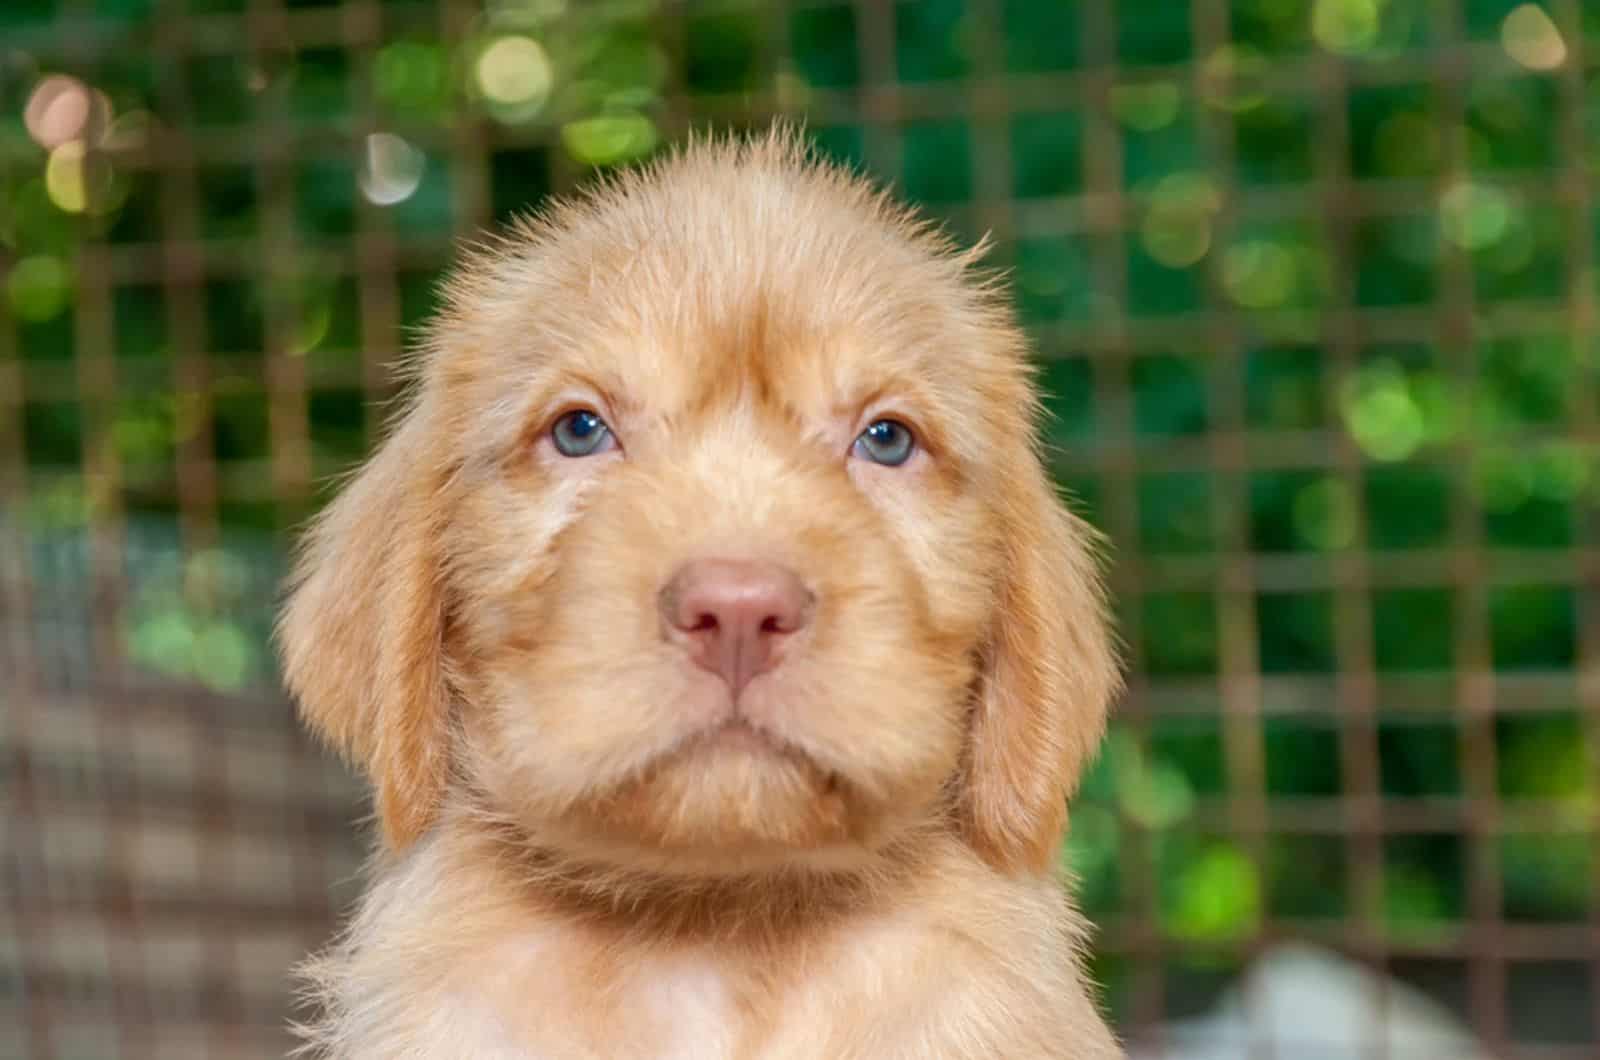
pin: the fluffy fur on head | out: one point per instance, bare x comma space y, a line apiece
477, 620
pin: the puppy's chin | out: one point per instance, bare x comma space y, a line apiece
730, 802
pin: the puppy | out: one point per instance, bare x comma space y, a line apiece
716, 645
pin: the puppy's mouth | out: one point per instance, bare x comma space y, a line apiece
737, 734
730, 787
736, 737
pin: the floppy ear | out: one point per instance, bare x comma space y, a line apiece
1049, 675
362, 636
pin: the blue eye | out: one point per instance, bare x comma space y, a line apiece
580, 433
886, 442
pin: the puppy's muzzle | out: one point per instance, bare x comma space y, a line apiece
734, 617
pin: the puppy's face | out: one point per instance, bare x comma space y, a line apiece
721, 576
714, 540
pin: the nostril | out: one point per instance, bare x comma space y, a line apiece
704, 622
772, 624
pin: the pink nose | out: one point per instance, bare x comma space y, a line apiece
734, 615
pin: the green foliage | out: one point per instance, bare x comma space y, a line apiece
1211, 891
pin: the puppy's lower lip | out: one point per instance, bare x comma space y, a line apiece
738, 734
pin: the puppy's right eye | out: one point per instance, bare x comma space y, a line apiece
581, 433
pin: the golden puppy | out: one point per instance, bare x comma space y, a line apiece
716, 645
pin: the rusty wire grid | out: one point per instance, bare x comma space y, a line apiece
171, 843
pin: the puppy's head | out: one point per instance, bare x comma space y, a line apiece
714, 537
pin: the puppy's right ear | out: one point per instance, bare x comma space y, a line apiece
362, 635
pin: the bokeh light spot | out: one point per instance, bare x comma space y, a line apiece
609, 139
1215, 896
1561, 471
1176, 237
514, 73
1146, 107
1532, 39
59, 110
1515, 250
223, 656
1234, 78
1149, 790
64, 177
39, 288
1347, 27
393, 169
1474, 216
1176, 230
1259, 273
312, 327
141, 431
79, 180
1382, 414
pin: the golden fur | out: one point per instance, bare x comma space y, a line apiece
574, 864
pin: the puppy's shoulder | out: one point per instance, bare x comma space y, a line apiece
968, 962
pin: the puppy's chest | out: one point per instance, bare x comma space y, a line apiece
538, 997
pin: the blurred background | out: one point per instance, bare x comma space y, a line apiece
1314, 287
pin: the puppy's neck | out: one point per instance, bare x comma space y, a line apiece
757, 909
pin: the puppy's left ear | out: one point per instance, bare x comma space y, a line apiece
362, 636
1049, 676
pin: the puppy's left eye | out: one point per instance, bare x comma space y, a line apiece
581, 433
886, 442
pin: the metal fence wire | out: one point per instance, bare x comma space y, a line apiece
1314, 288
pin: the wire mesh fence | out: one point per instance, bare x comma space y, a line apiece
1314, 290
